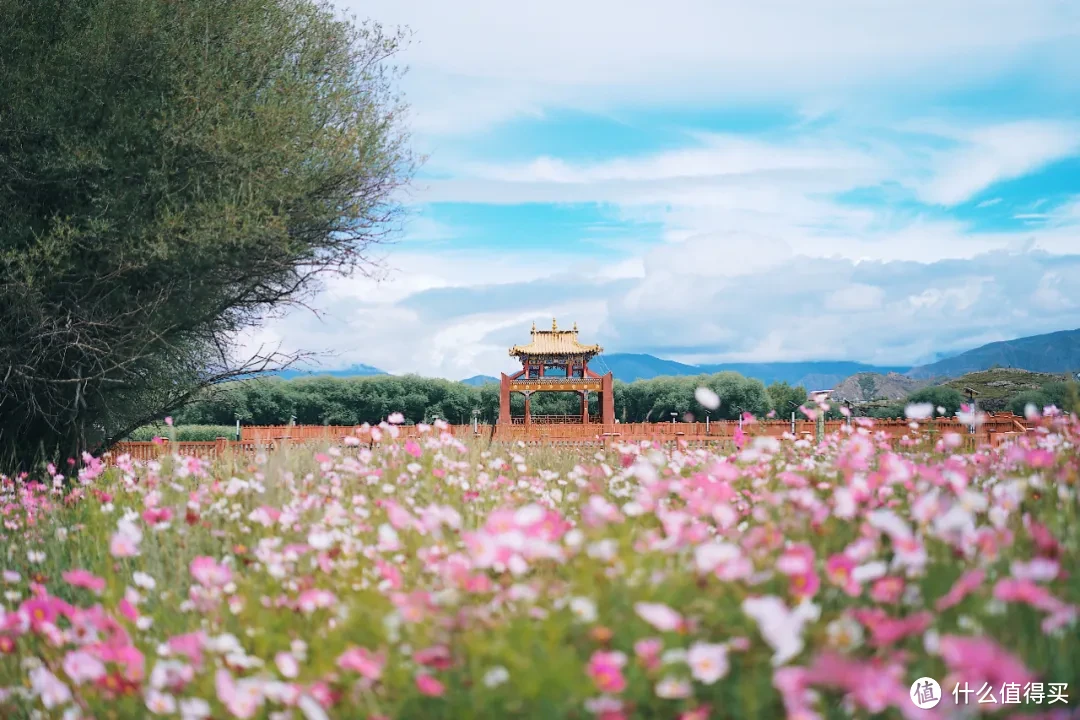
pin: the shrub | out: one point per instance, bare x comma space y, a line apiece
184, 433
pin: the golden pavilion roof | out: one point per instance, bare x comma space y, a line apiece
555, 342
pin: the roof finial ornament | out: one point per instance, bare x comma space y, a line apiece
534, 327
575, 326
554, 327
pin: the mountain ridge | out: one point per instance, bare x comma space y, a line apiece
1054, 352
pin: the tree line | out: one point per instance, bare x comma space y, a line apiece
350, 401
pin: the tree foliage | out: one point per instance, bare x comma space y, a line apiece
350, 401
786, 399
171, 172
939, 396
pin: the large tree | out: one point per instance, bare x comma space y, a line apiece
170, 173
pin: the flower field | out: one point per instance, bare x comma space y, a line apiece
394, 578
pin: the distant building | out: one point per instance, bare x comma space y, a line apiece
555, 361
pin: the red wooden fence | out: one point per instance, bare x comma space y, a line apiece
995, 430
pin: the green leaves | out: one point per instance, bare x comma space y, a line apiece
169, 172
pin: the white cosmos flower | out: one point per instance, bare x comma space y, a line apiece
708, 661
707, 398
782, 628
496, 676
919, 411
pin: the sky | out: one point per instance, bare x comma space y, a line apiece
711, 180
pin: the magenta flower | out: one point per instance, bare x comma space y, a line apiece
84, 579
428, 685
968, 583
605, 670
362, 661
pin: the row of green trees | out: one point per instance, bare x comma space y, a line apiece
348, 401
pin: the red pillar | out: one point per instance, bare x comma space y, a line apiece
528, 413
585, 407
504, 400
607, 399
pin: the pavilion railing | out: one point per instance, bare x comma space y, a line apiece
574, 419
550, 380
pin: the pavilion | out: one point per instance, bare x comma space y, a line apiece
555, 361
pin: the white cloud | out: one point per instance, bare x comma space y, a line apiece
483, 61
854, 298
717, 156
790, 308
994, 153
759, 259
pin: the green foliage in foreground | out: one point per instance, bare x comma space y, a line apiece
170, 172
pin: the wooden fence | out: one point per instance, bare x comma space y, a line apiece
994, 431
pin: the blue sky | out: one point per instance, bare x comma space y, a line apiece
707, 181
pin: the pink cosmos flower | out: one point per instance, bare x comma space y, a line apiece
157, 515
428, 685
127, 609
436, 657
209, 573
838, 569
287, 665
84, 579
708, 662
362, 661
885, 630
1039, 569
648, 652
660, 616
127, 656
968, 583
873, 685
978, 659
42, 610
48, 687
605, 670
123, 545
887, 590
315, 599
81, 667
413, 449
242, 699
189, 645
797, 562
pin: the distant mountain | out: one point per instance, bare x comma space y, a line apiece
478, 380
866, 387
1054, 352
359, 370
813, 375
633, 366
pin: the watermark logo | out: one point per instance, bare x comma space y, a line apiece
925, 693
